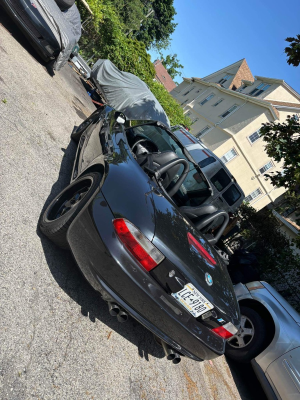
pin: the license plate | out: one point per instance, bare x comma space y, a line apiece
193, 300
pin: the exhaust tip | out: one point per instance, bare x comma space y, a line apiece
122, 316
176, 359
171, 356
113, 309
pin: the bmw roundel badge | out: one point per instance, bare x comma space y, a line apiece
209, 279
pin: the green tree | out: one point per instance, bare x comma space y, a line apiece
156, 29
293, 50
172, 65
283, 143
169, 104
104, 37
278, 264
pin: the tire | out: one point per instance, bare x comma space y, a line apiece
63, 209
64, 4
254, 344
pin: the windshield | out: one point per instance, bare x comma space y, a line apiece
195, 189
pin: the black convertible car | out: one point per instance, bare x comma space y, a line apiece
133, 217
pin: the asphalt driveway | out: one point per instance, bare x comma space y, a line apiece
57, 339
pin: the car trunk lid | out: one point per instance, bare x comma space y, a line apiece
171, 238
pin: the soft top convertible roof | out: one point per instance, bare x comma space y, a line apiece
127, 93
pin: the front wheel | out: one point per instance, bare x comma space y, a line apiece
66, 206
250, 339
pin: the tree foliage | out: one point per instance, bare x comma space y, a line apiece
283, 143
279, 265
293, 50
169, 104
172, 65
156, 29
105, 37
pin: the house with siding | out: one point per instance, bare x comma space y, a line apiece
227, 109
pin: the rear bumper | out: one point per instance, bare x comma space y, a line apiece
33, 26
110, 269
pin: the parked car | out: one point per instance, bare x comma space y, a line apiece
269, 337
227, 193
80, 63
53, 27
123, 218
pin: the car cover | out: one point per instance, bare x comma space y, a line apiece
65, 25
127, 93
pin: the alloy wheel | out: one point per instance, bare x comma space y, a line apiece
245, 334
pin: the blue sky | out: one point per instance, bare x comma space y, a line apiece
213, 34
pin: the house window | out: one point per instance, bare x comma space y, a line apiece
184, 94
188, 114
229, 156
229, 111
206, 99
252, 195
218, 102
204, 130
265, 168
259, 89
194, 121
242, 88
254, 137
184, 102
225, 79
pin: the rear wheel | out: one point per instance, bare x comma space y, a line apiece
250, 339
65, 207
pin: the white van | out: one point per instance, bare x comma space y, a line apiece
227, 193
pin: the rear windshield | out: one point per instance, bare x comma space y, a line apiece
231, 195
221, 180
207, 161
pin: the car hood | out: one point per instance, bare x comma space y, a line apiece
171, 230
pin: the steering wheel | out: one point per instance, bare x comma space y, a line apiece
144, 140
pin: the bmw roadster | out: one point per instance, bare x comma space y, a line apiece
133, 217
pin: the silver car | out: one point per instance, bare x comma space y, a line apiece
269, 337
227, 194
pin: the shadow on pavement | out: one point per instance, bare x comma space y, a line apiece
246, 381
69, 278
11, 26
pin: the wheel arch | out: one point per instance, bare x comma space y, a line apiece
264, 312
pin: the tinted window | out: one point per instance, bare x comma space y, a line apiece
231, 195
221, 180
207, 161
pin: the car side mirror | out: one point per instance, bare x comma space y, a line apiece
120, 117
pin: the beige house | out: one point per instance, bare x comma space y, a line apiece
227, 109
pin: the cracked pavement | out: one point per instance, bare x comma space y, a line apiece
57, 339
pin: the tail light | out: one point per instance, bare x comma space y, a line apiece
137, 244
226, 331
197, 246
